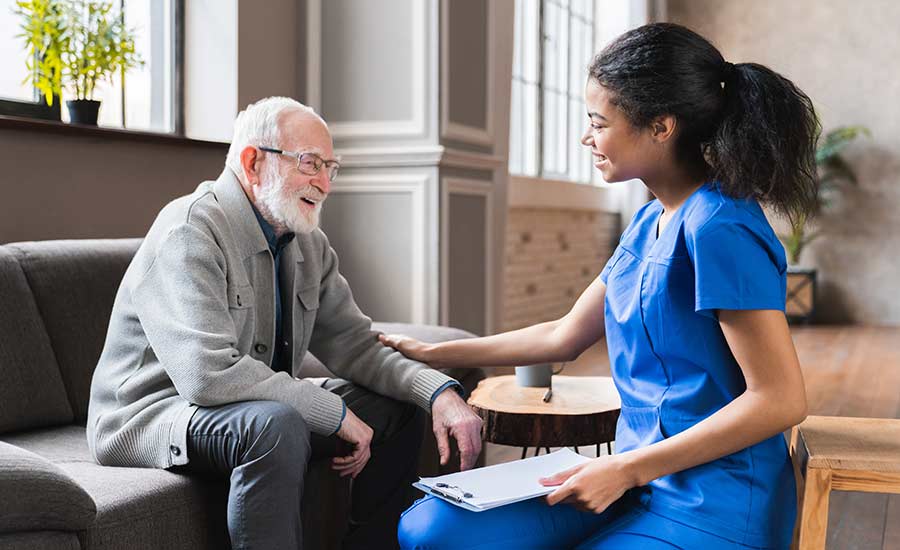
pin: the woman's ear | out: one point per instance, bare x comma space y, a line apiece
662, 128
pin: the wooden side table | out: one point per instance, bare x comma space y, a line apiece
583, 411
832, 453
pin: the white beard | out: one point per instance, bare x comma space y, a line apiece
281, 205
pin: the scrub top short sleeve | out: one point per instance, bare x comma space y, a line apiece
736, 266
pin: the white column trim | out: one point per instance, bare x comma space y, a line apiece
455, 130
461, 186
458, 158
414, 185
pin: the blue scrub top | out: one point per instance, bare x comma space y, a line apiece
672, 364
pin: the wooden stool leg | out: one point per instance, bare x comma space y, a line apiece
812, 515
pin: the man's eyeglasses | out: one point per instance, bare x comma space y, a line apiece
309, 163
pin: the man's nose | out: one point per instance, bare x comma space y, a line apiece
322, 182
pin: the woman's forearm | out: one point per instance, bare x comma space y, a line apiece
540, 343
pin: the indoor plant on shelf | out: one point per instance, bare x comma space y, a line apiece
43, 28
833, 173
74, 45
100, 46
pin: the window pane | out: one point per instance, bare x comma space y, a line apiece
556, 47
577, 61
515, 128
530, 130
12, 56
148, 89
581, 8
554, 139
579, 155
530, 38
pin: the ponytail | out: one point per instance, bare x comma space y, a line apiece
764, 146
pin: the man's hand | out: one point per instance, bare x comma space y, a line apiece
358, 434
452, 416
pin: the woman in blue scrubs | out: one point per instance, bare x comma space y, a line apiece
692, 307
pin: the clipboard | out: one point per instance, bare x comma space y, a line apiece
494, 486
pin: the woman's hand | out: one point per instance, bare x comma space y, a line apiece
409, 347
591, 486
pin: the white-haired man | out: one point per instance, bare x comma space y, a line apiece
229, 289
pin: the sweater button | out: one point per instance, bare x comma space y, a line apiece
260, 348
175, 450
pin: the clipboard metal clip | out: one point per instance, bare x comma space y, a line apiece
447, 490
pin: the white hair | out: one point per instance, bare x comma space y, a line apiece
260, 124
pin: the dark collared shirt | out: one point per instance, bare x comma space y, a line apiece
276, 244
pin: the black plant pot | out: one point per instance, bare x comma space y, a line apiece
83, 111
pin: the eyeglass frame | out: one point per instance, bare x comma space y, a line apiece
320, 162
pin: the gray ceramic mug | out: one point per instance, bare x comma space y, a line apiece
535, 376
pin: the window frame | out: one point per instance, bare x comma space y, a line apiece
39, 110
571, 173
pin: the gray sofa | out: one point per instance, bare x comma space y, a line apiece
55, 303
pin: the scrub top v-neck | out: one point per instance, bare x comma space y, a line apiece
673, 367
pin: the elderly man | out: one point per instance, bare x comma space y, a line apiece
229, 289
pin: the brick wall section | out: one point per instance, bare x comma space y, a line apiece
552, 255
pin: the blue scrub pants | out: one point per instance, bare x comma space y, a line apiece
432, 524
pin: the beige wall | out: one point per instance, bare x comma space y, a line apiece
844, 55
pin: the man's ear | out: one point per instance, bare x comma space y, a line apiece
662, 128
250, 159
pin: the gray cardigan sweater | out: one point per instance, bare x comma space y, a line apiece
193, 326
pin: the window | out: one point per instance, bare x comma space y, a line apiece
144, 98
553, 46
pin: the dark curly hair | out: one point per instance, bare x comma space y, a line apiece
744, 125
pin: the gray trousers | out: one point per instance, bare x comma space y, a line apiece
263, 448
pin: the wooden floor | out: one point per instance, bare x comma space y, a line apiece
849, 371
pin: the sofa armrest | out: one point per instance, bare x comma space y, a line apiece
313, 368
39, 495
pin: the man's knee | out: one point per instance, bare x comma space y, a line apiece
277, 432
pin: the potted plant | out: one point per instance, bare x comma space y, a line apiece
100, 45
75, 44
46, 42
833, 174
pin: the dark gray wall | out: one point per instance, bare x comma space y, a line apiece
57, 186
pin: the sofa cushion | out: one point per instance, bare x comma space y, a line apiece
39, 495
39, 540
32, 392
74, 284
137, 508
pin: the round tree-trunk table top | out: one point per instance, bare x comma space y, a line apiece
582, 411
